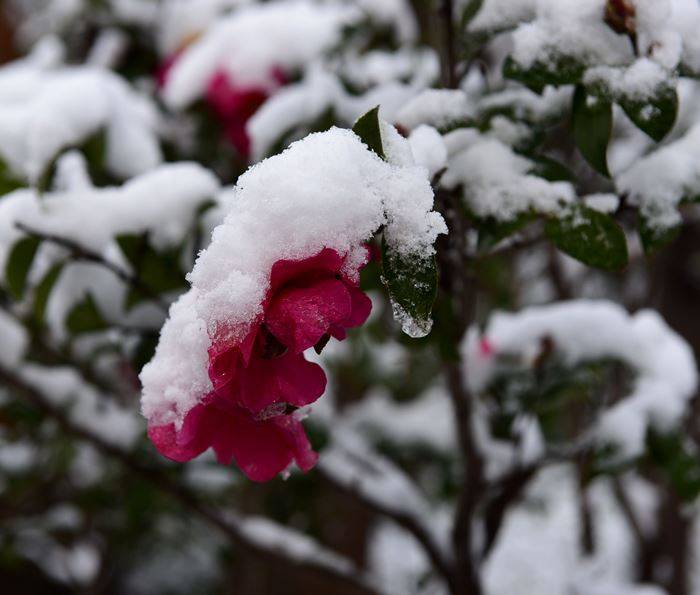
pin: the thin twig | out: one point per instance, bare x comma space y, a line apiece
450, 79
85, 254
234, 530
409, 522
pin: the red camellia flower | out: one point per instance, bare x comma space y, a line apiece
235, 104
262, 445
259, 382
232, 103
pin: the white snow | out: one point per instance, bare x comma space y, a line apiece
301, 104
44, 110
638, 82
496, 15
435, 107
326, 191
589, 330
162, 202
495, 181
254, 40
659, 181
572, 28
14, 341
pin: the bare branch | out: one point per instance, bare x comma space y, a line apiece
79, 252
291, 548
386, 491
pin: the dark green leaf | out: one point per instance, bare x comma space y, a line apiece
592, 126
18, 264
592, 237
471, 8
654, 238
657, 116
8, 181
144, 350
43, 291
367, 128
160, 272
412, 286
560, 70
679, 463
550, 169
492, 231
85, 317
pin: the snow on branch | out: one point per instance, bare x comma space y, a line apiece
587, 331
46, 108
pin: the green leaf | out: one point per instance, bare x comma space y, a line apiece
43, 291
559, 70
8, 181
368, 129
470, 10
592, 127
677, 461
412, 286
145, 349
18, 264
160, 272
655, 117
492, 231
589, 236
85, 317
551, 169
654, 238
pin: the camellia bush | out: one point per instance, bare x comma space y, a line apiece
350, 296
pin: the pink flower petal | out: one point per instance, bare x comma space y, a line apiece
300, 382
296, 439
187, 444
326, 261
261, 449
361, 308
300, 316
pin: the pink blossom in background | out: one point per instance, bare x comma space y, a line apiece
259, 382
235, 104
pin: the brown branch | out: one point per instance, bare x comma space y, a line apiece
233, 530
473, 485
82, 253
450, 79
401, 518
508, 491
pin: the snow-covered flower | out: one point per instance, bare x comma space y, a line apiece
259, 382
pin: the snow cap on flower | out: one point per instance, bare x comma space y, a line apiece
326, 192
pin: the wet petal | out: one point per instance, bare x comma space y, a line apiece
300, 316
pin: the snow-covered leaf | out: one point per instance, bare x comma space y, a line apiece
655, 116
592, 127
18, 264
591, 237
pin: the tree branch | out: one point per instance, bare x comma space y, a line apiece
356, 483
239, 531
79, 252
